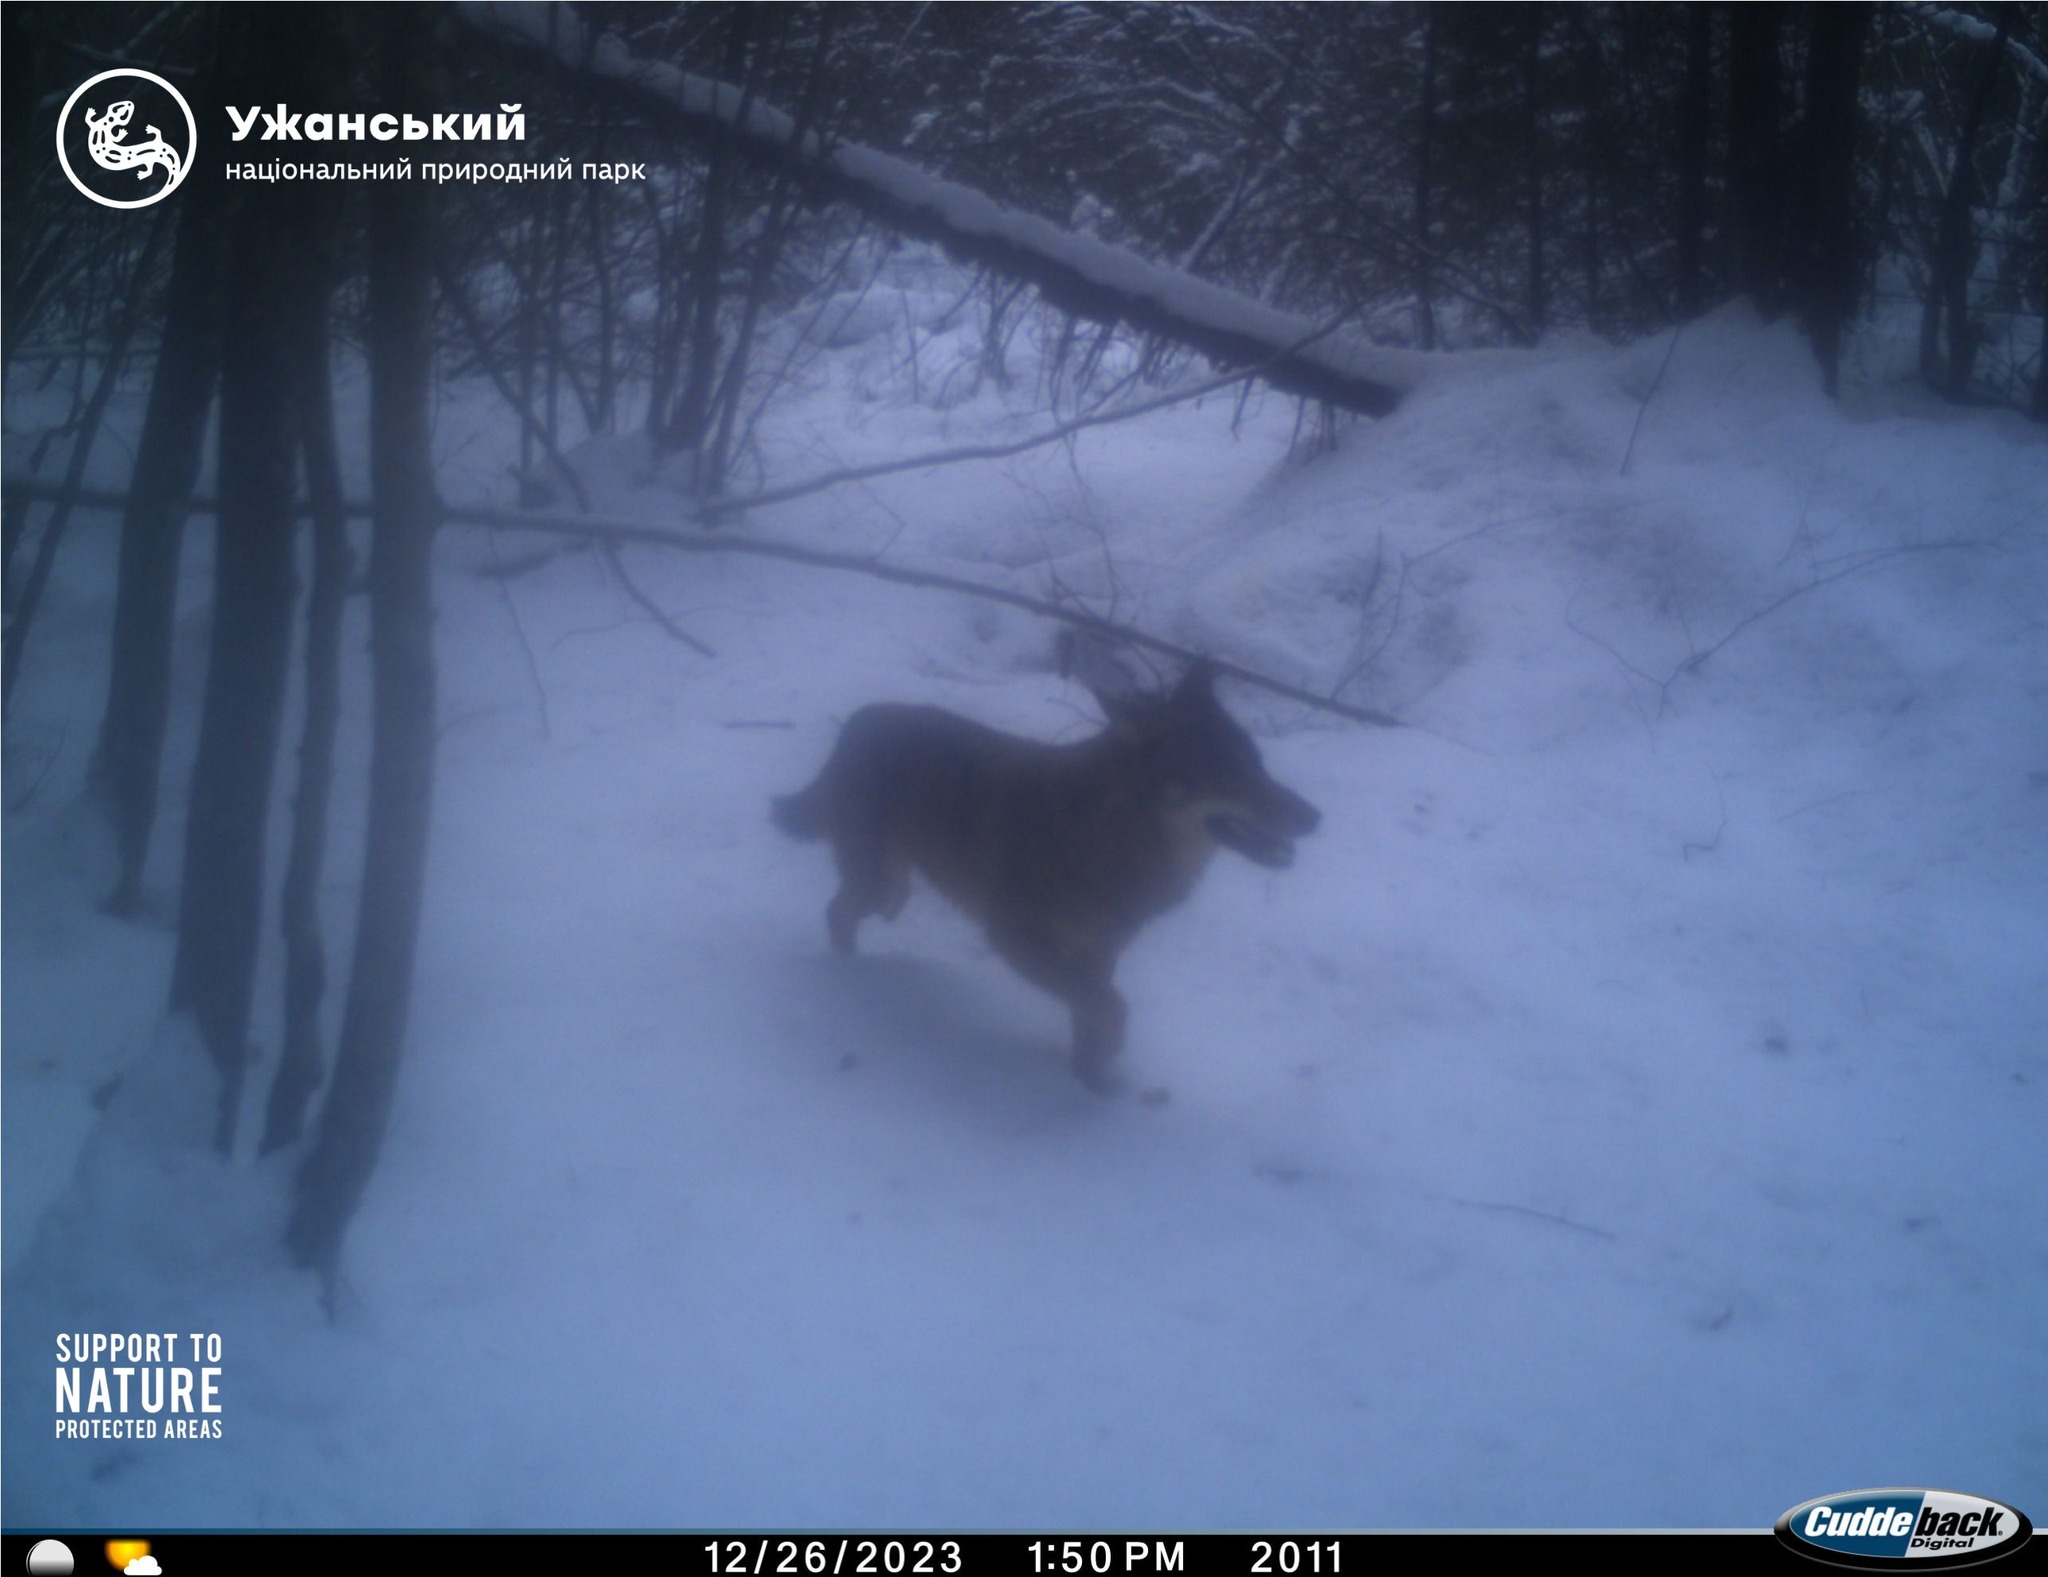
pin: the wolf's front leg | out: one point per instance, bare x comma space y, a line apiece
1080, 979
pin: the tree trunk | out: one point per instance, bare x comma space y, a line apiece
1955, 243
1755, 200
220, 908
1598, 153
300, 1063
691, 423
21, 80
605, 404
1695, 119
1826, 263
768, 256
358, 1108
129, 755
2039, 409
1425, 136
1532, 134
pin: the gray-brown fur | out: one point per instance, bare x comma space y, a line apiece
1062, 852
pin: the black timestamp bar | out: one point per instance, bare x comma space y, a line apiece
1133, 1554
758, 1553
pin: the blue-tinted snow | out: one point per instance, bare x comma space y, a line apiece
1628, 1111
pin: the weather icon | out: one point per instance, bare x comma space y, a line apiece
123, 1554
49, 1558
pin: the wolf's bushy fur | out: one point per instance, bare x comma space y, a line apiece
1062, 852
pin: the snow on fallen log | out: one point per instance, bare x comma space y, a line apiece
1078, 274
1982, 32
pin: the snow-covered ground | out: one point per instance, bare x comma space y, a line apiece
1629, 1111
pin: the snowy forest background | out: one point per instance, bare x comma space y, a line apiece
1626, 1114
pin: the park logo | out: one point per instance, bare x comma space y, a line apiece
1921, 1528
126, 138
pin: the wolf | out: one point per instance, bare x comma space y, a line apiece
1061, 852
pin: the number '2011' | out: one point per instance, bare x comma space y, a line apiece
1286, 1557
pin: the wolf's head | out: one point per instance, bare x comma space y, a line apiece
1210, 772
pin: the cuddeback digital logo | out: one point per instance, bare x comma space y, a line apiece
1926, 1527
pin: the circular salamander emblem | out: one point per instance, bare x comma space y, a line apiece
126, 138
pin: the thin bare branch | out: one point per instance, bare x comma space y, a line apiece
620, 531
648, 604
598, 529
1002, 451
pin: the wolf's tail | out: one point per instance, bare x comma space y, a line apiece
801, 815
